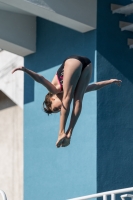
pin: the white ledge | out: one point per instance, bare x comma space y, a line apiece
125, 26
127, 195
127, 10
73, 14
130, 43
17, 33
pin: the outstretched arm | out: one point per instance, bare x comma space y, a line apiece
39, 78
101, 84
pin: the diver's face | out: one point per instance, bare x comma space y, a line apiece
56, 104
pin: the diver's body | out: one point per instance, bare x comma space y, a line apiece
70, 82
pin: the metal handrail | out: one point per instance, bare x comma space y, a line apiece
3, 195
105, 194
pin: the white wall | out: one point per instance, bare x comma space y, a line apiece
11, 149
11, 126
11, 84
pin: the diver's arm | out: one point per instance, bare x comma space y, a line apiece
39, 78
101, 84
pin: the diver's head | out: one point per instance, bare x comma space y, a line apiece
52, 103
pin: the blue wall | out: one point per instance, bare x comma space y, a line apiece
51, 173
115, 105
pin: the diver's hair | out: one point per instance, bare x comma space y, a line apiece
47, 103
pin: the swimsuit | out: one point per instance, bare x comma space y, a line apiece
60, 73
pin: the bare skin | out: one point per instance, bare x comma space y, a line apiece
72, 73
75, 85
78, 94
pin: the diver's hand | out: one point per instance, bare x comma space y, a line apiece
18, 68
116, 81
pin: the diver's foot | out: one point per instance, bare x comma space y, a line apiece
60, 139
65, 142
69, 135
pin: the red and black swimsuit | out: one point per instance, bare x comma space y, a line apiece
60, 73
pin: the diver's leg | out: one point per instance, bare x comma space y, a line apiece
77, 103
72, 72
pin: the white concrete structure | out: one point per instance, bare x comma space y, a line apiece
17, 33
127, 10
11, 84
11, 148
75, 14
130, 43
124, 26
11, 125
21, 15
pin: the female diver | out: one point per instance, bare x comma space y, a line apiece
70, 82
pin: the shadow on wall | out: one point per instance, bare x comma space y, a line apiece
54, 44
5, 102
115, 105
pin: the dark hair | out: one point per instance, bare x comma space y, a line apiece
47, 102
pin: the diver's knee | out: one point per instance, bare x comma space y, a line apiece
66, 100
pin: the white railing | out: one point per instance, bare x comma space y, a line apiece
3, 195
126, 195
105, 194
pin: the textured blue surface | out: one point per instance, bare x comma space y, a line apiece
115, 105
51, 173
